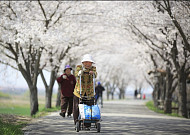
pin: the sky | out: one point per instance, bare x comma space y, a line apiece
12, 78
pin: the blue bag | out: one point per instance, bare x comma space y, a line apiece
87, 111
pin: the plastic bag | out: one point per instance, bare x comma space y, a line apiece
87, 111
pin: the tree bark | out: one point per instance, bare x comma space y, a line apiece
112, 95
58, 101
156, 94
169, 91
168, 104
33, 90
161, 88
107, 91
108, 95
120, 93
33, 100
182, 95
123, 94
48, 97
49, 88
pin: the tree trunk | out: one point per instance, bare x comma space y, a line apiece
120, 92
168, 104
48, 98
112, 95
107, 92
161, 94
108, 95
33, 100
156, 94
123, 94
49, 88
58, 101
168, 92
33, 90
182, 96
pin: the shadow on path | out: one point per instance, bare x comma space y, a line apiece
119, 117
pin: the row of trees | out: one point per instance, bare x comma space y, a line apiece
169, 52
39, 35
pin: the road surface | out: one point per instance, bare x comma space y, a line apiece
126, 117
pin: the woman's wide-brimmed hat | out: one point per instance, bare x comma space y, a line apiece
87, 57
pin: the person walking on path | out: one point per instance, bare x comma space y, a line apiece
86, 71
135, 94
67, 82
99, 93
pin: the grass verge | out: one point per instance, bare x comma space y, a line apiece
15, 112
12, 124
45, 111
3, 95
11, 129
151, 106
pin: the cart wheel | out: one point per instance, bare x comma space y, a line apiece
77, 126
98, 127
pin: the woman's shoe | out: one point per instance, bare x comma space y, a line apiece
62, 114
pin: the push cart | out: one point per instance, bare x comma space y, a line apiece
88, 103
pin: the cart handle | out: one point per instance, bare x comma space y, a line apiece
80, 85
94, 83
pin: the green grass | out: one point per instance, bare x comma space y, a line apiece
20, 105
151, 106
11, 129
25, 111
16, 129
3, 95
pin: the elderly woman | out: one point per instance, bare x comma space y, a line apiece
67, 82
86, 71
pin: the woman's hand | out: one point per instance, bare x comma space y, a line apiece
64, 77
91, 72
80, 72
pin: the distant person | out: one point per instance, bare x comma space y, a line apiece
99, 90
139, 95
144, 96
67, 82
135, 94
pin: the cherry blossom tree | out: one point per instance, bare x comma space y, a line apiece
120, 35
170, 47
179, 15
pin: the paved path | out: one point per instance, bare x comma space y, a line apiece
129, 117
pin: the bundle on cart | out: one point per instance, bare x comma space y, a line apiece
89, 112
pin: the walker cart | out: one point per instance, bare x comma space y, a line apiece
89, 113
